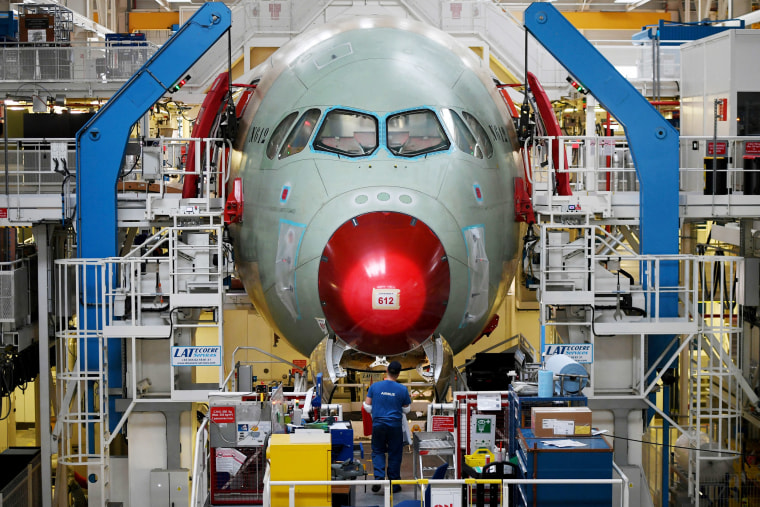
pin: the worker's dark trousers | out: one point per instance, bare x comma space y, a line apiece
387, 439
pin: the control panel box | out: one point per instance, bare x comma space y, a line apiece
239, 423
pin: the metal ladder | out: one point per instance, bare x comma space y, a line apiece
715, 382
163, 288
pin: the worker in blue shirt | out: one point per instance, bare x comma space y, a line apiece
387, 401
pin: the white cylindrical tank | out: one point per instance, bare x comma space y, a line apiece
714, 465
562, 364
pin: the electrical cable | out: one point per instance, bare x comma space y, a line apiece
180, 109
123, 175
171, 323
6, 382
671, 446
131, 169
329, 398
524, 131
530, 242
525, 61
4, 417
228, 115
21, 380
221, 434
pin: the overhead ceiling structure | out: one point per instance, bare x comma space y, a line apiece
694, 9
688, 10
491, 28
78, 19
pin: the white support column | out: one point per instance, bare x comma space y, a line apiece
40, 233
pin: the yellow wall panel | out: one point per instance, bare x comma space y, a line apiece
614, 20
511, 322
152, 20
243, 327
499, 70
259, 55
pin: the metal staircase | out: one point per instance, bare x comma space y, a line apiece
82, 424
254, 23
717, 386
482, 23
502, 34
165, 292
577, 260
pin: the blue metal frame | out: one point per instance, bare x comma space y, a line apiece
653, 143
671, 33
652, 140
101, 145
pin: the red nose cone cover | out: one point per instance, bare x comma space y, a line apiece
384, 282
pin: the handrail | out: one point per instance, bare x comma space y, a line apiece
74, 62
251, 347
593, 175
387, 484
150, 180
624, 485
199, 446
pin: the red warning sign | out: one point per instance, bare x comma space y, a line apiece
301, 363
722, 109
3, 212
722, 148
752, 148
443, 423
221, 415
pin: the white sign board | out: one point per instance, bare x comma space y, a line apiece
197, 356
445, 496
385, 299
489, 401
253, 433
482, 432
59, 153
580, 352
229, 460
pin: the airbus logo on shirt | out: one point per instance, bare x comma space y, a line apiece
388, 394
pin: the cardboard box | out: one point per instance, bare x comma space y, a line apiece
560, 421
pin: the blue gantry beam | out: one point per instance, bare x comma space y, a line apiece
654, 147
101, 145
652, 140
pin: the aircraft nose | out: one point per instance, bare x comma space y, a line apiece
384, 282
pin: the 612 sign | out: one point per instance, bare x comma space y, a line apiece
385, 299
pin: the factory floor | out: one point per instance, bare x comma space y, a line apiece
362, 498
25, 437
369, 498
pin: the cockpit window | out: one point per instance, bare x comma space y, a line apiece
484, 147
463, 138
415, 133
299, 136
347, 133
279, 134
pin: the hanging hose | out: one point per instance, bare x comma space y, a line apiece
524, 132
